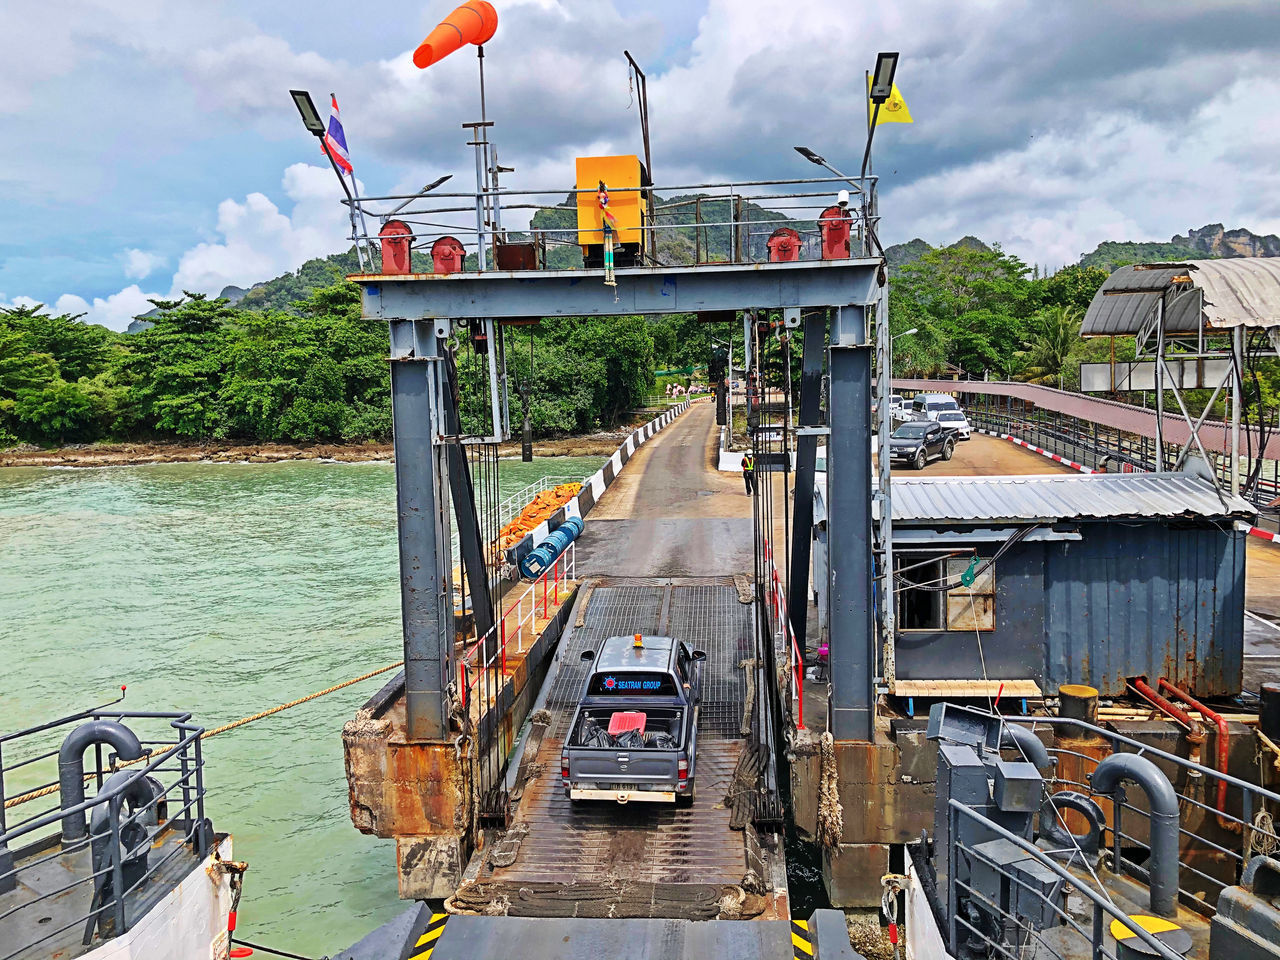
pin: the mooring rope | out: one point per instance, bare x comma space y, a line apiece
53, 788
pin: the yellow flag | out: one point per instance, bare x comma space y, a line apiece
893, 110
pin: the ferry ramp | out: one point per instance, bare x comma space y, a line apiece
659, 556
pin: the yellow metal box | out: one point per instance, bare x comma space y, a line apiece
621, 175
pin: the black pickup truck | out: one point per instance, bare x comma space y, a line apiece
634, 735
919, 441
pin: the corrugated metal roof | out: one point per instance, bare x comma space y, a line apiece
1109, 413
1057, 497
1240, 291
1236, 291
1117, 309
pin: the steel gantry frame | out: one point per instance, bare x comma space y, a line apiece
421, 310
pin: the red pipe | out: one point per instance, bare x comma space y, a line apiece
1195, 732
1224, 749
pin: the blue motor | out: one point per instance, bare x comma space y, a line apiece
544, 554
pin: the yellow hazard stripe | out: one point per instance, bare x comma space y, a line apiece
800, 939
435, 927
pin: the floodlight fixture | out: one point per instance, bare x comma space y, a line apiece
822, 162
882, 79
417, 196
310, 116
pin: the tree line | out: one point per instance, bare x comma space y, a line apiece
210, 371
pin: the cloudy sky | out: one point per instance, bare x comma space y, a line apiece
151, 146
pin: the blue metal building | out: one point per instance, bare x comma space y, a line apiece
1092, 579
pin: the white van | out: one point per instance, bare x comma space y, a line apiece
927, 406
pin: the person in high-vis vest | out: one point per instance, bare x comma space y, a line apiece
749, 472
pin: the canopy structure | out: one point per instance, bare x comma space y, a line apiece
1199, 296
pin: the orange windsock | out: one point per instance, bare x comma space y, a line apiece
473, 22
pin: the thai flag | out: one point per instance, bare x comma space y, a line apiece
335, 141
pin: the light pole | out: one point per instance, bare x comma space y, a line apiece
312, 120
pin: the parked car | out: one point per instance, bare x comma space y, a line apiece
634, 735
927, 406
955, 420
918, 441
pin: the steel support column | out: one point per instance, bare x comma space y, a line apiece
849, 536
815, 335
884, 390
421, 508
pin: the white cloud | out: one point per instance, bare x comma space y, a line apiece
115, 311
140, 264
1036, 129
259, 242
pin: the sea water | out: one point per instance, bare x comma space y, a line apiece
225, 589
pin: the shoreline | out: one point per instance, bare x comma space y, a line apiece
137, 454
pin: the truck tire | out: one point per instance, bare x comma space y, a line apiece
948, 449
685, 800
920, 460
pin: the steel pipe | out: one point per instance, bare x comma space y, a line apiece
1195, 732
71, 766
1162, 798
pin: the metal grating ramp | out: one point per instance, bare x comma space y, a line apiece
712, 619
708, 615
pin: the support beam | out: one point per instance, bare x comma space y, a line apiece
644, 290
849, 535
470, 537
884, 390
426, 607
815, 336
1237, 374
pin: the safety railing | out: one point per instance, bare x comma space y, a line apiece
124, 849
513, 504
731, 222
1115, 451
1224, 820
785, 636
486, 657
1013, 916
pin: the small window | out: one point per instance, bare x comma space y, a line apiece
958, 609
919, 609
971, 608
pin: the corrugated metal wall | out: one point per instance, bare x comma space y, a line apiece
1131, 597
1157, 599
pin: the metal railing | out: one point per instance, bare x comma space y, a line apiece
1114, 451
1020, 912
1210, 835
784, 637
128, 837
512, 505
725, 222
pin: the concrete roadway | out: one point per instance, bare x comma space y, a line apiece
669, 513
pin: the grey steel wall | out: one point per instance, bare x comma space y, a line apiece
1019, 615
1129, 598
1154, 598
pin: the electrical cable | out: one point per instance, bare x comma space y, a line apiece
942, 586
